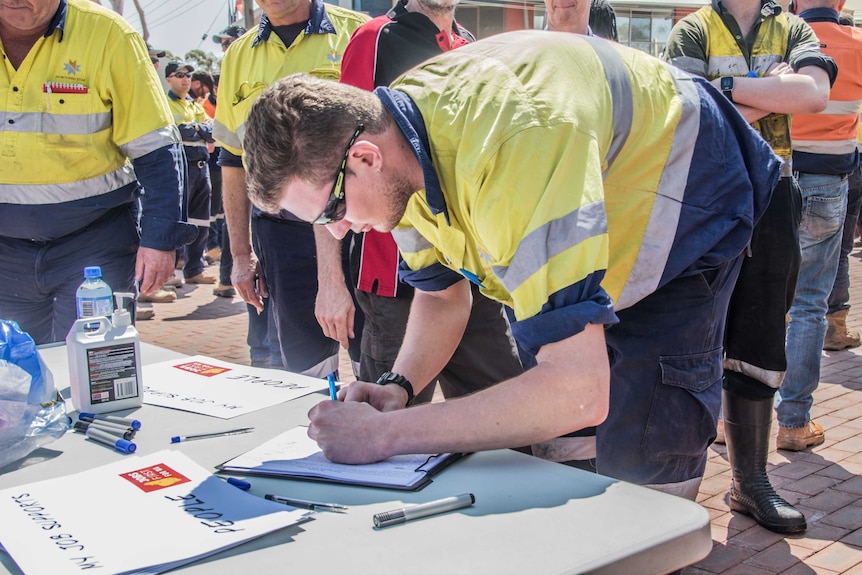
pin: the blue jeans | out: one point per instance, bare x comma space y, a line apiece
824, 203
839, 299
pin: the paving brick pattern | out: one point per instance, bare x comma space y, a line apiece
825, 482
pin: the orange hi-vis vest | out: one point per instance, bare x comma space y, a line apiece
833, 131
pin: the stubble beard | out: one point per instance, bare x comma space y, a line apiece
398, 194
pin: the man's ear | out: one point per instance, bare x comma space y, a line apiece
366, 155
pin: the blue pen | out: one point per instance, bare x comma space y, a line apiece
236, 482
333, 393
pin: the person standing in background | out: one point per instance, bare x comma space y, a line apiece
824, 155
71, 182
196, 133
282, 270
769, 65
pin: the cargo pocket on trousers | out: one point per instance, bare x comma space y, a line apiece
685, 407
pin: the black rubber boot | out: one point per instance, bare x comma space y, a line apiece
746, 430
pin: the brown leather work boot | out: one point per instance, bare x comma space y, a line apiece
801, 438
838, 335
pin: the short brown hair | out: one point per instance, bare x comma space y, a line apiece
298, 128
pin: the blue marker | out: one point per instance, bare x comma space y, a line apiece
117, 443
133, 423
333, 393
83, 426
236, 482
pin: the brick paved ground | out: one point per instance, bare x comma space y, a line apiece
825, 483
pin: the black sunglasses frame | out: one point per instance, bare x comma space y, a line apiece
336, 207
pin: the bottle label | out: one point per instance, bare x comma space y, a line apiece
112, 372
93, 307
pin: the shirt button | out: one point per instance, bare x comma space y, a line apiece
11, 121
14, 88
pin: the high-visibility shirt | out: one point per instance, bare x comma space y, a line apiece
259, 58
825, 143
186, 113
83, 102
709, 43
562, 169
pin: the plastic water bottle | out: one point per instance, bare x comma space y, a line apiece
94, 296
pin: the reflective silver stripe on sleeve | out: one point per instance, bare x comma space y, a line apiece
151, 141
726, 66
63, 124
761, 64
617, 77
821, 147
222, 134
40, 194
658, 241
410, 241
691, 65
550, 240
196, 143
840, 108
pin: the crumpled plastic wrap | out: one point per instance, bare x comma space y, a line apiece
32, 413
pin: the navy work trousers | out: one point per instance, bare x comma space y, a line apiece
40, 278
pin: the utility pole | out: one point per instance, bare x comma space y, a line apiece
248, 13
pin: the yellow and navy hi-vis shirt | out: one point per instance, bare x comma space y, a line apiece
562, 169
704, 44
84, 101
186, 113
259, 58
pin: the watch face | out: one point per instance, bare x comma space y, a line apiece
727, 83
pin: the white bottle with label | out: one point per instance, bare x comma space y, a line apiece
105, 362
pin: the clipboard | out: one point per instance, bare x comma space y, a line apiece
293, 455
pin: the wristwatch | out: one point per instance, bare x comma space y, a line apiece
399, 380
727, 87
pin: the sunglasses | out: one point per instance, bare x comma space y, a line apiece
180, 75
336, 207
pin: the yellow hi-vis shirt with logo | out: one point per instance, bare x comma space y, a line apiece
252, 63
77, 107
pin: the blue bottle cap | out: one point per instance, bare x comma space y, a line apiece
92, 272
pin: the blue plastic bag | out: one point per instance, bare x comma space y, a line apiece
32, 413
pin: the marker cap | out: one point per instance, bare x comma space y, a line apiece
133, 423
239, 483
125, 446
176, 439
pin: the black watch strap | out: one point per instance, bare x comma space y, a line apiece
399, 380
727, 87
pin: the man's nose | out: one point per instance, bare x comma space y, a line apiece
339, 229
